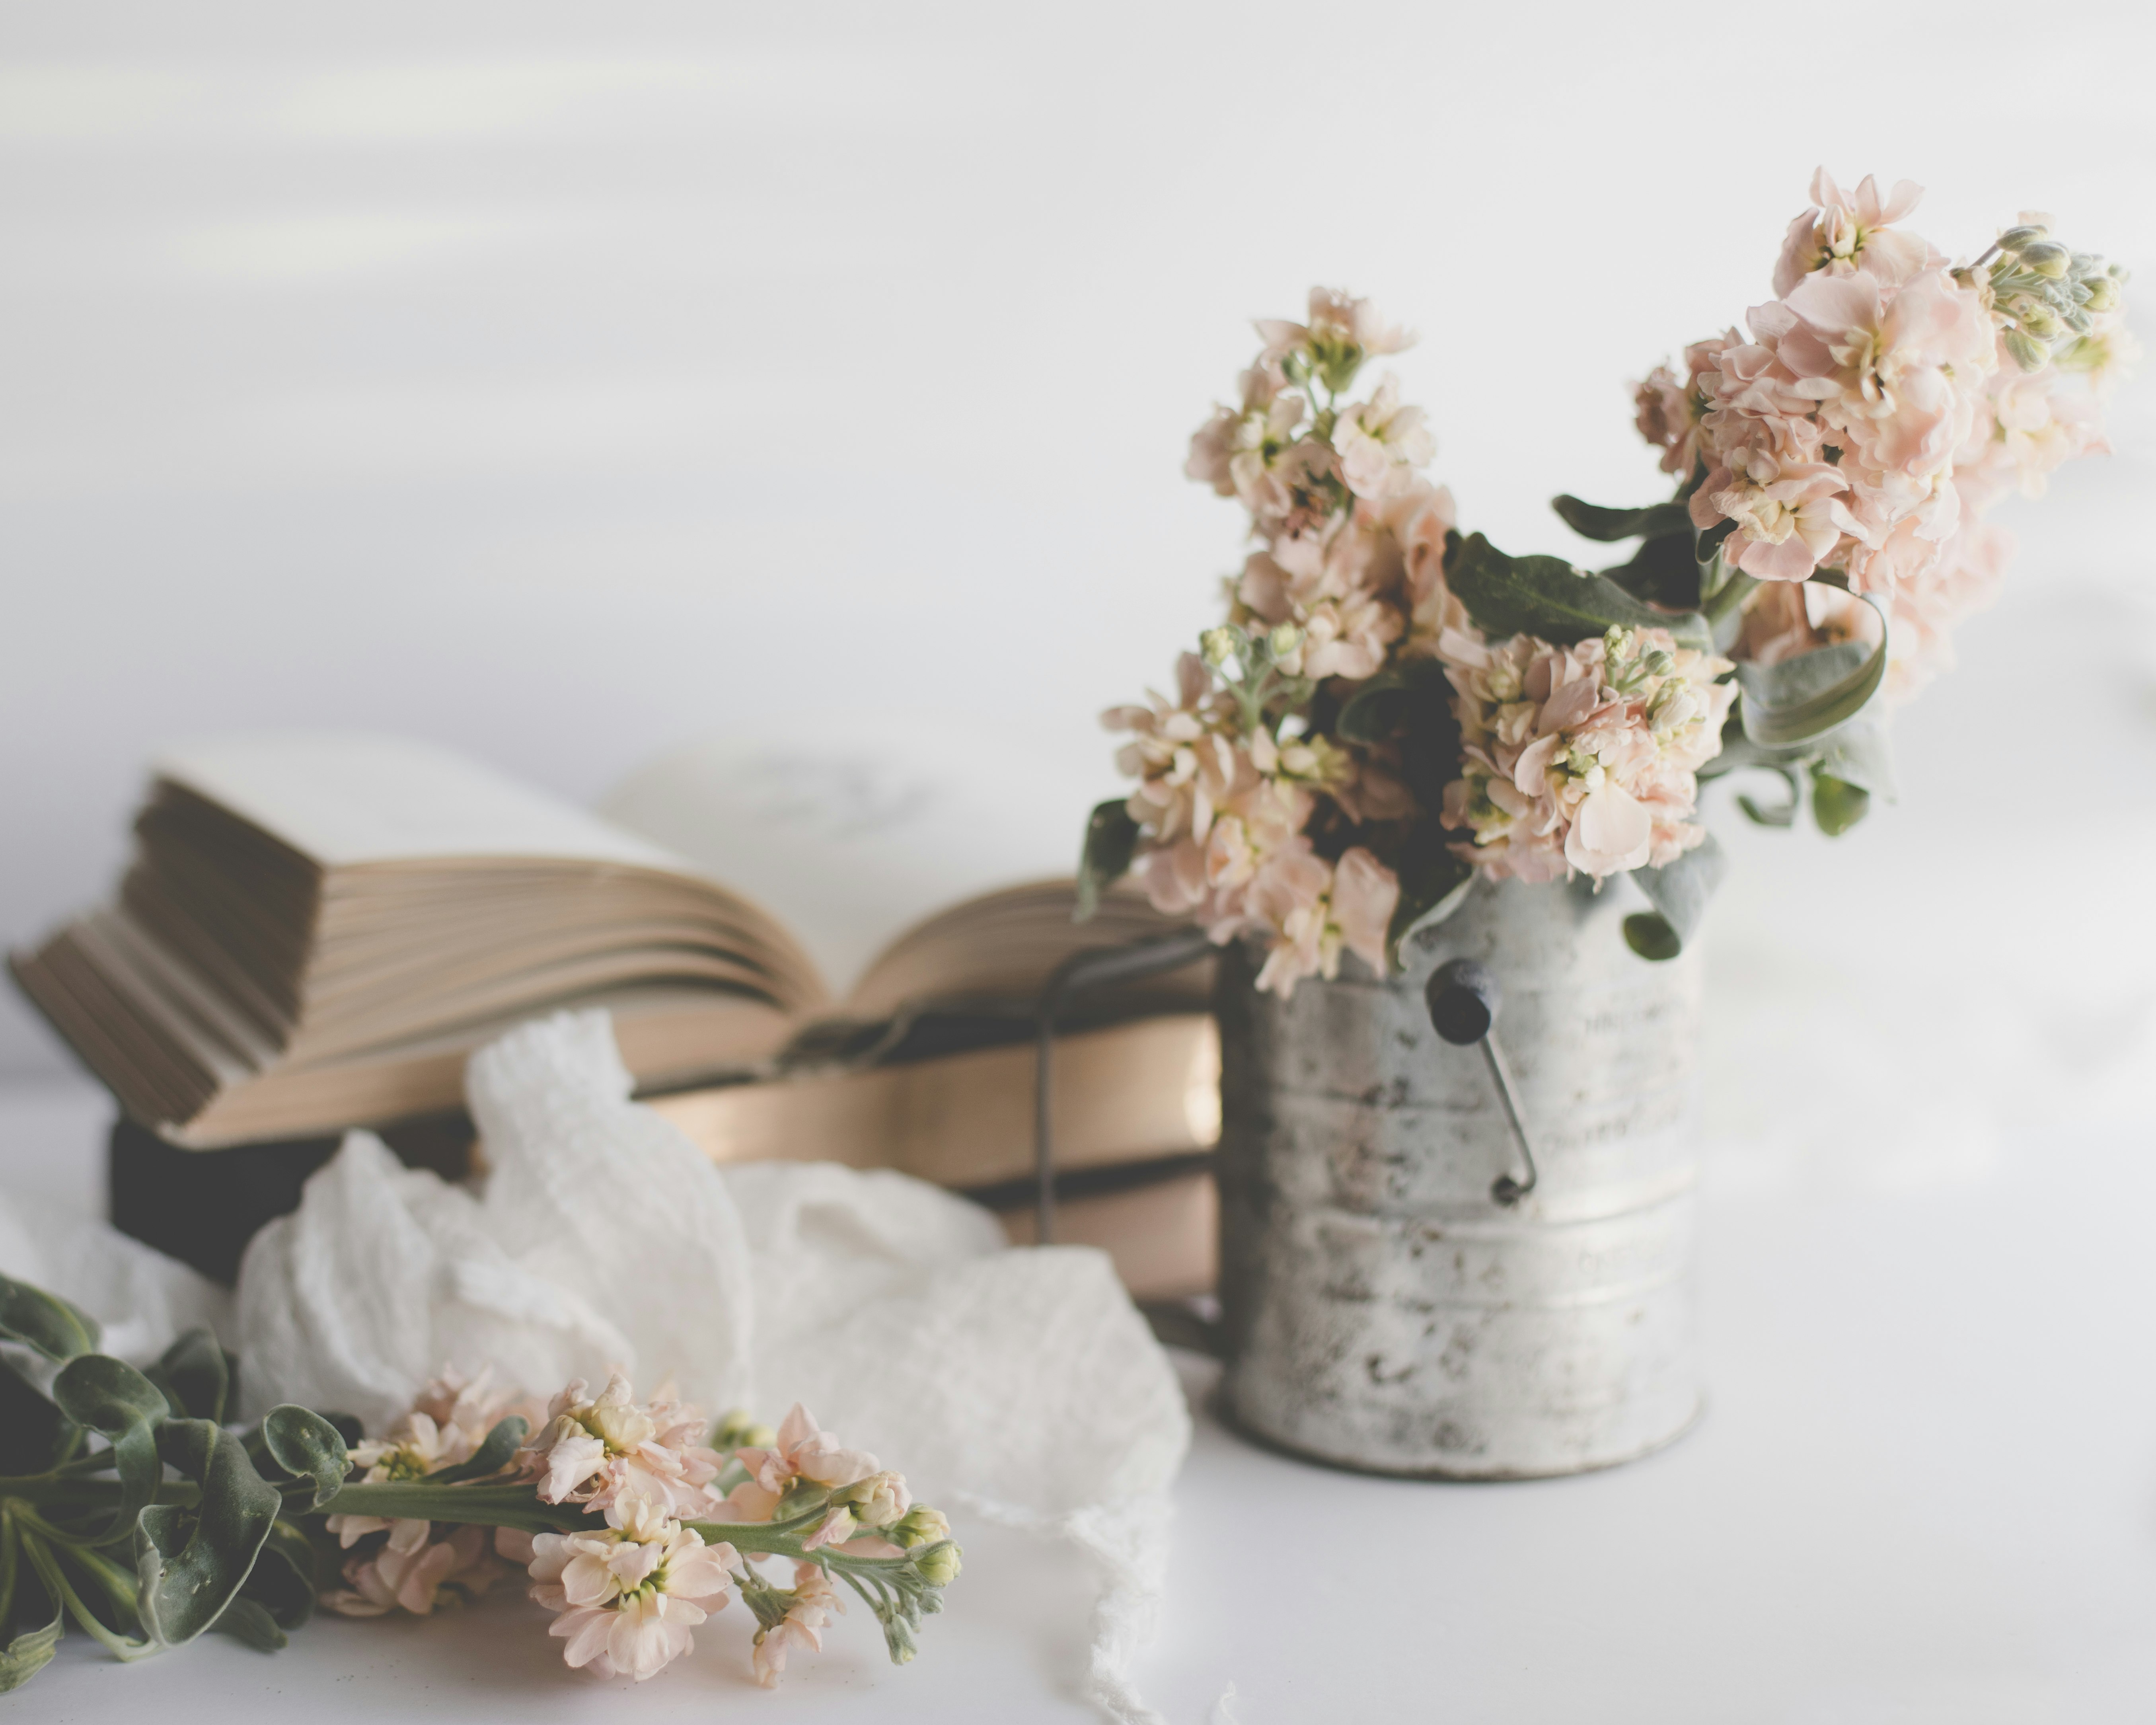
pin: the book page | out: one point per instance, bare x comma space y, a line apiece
852, 834
343, 797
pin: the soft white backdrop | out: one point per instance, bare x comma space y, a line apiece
559, 380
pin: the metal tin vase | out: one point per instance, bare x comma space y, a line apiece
1380, 1310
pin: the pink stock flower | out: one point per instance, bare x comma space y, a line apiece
1418, 521
2034, 425
1843, 233
1312, 910
1184, 757
804, 1451
628, 1596
595, 1452
1789, 518
1965, 577
1339, 587
410, 1569
1233, 451
1898, 372
1365, 894
1666, 415
411, 1572
813, 1603
1336, 319
1381, 443
1574, 760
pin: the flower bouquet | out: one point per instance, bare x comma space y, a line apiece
1405, 744
132, 1508
1392, 708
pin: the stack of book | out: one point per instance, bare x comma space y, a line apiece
807, 954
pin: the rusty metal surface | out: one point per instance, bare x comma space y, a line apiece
1379, 1309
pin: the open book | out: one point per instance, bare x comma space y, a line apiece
317, 929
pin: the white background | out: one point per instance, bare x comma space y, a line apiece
559, 382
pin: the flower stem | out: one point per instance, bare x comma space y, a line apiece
1728, 598
506, 1505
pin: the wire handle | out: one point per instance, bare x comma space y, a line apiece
1464, 1000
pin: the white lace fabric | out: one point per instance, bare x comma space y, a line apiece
1018, 1385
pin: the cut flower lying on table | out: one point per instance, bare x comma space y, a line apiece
1392, 709
131, 1510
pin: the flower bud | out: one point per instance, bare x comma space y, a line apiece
939, 1567
2029, 355
2047, 257
921, 1526
1283, 640
1220, 645
878, 1501
2103, 292
2039, 321
1659, 663
737, 1431
2014, 238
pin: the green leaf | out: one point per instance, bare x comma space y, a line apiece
307, 1447
44, 1322
1649, 934
1375, 710
1777, 814
1837, 805
1112, 836
1590, 520
112, 1398
192, 1562
31, 1651
33, 1433
490, 1457
1858, 754
1414, 698
196, 1375
284, 1581
1545, 597
1798, 700
1679, 891
247, 1622
1431, 889
1662, 571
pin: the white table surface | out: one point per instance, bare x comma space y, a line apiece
1925, 1490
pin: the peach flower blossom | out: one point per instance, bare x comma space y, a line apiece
1899, 373
1581, 758
1312, 910
814, 1600
1234, 450
593, 1452
1790, 517
628, 1596
411, 1572
1845, 232
1336, 318
1965, 578
1381, 443
803, 1450
415, 1563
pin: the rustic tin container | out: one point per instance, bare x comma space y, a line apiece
1380, 1309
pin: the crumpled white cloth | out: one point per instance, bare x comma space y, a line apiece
1021, 1385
